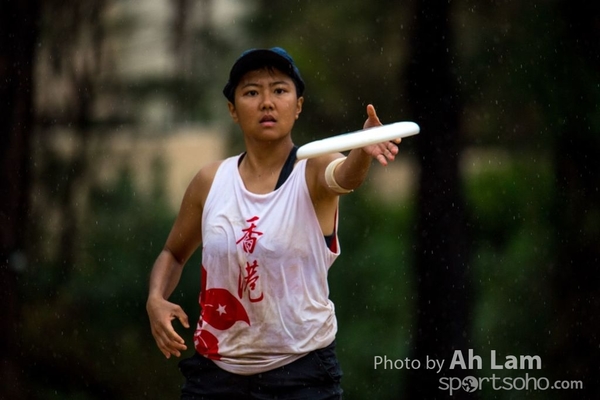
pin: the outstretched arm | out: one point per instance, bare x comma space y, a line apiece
331, 175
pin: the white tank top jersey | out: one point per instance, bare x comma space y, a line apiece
264, 292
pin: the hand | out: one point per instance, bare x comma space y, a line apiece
384, 151
161, 312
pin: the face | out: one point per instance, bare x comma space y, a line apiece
266, 104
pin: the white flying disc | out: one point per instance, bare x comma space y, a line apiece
354, 140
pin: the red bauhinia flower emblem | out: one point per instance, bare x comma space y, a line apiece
221, 309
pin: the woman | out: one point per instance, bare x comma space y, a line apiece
267, 225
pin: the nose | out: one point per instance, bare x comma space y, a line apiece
266, 103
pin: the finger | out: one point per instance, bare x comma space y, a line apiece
179, 314
388, 155
167, 338
382, 160
168, 352
173, 336
172, 347
176, 349
183, 318
371, 113
163, 346
372, 119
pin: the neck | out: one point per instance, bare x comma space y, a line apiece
260, 170
266, 160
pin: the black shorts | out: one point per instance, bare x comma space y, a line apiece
315, 376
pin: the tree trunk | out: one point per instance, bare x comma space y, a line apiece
441, 258
576, 276
18, 33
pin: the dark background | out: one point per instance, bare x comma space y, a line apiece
496, 246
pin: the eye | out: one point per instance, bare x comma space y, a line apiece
251, 93
280, 90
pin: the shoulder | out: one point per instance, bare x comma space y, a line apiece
207, 173
200, 185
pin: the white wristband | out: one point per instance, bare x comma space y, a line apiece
330, 178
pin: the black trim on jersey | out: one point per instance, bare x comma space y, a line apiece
287, 168
329, 240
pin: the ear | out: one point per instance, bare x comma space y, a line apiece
232, 111
299, 103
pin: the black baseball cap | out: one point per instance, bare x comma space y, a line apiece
254, 59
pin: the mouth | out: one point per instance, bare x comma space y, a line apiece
268, 120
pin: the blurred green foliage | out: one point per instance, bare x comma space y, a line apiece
89, 337
513, 252
372, 286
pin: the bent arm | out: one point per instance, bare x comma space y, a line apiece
183, 240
